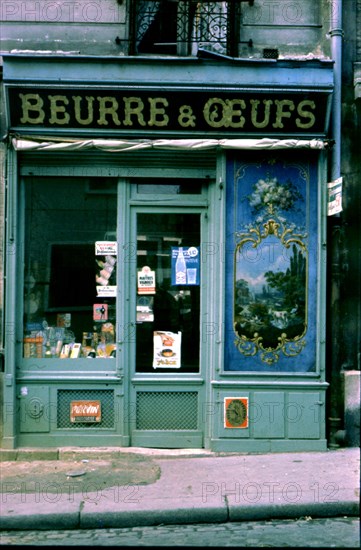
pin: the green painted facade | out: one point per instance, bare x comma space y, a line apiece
70, 184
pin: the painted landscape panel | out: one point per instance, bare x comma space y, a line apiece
271, 264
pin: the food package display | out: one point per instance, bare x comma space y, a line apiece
107, 334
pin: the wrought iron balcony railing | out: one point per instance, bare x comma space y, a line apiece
181, 27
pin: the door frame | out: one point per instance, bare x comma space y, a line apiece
157, 385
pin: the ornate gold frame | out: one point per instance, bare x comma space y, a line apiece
256, 234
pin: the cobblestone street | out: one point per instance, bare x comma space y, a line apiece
304, 532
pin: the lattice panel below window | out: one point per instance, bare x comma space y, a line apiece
167, 410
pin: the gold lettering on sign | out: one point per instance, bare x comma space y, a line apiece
155, 111
231, 112
306, 114
281, 113
32, 103
219, 113
186, 117
134, 111
77, 109
133, 106
213, 112
254, 112
110, 110
56, 108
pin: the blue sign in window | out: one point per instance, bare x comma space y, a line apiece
185, 265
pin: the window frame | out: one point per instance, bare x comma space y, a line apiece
184, 46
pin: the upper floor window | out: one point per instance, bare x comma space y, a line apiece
181, 27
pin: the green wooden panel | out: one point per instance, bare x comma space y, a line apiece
303, 415
267, 415
34, 408
268, 445
72, 440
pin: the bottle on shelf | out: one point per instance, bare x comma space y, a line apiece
95, 340
48, 352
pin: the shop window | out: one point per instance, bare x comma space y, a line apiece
63, 293
181, 27
69, 268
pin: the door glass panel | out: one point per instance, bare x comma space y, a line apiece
70, 268
168, 320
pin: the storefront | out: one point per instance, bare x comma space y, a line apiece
165, 274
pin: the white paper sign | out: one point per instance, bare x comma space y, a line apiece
106, 247
167, 350
103, 291
146, 281
334, 197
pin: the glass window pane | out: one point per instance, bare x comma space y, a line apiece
70, 268
168, 320
170, 27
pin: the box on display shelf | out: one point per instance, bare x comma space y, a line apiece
60, 342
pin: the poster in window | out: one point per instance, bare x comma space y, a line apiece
185, 265
106, 252
146, 281
167, 349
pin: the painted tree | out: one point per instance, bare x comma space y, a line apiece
292, 282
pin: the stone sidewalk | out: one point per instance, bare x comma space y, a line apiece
183, 486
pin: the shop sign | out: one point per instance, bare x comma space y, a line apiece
106, 247
106, 291
236, 412
146, 281
223, 112
85, 411
334, 199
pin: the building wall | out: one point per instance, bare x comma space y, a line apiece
347, 229
2, 236
351, 170
295, 29
86, 28
2, 242
100, 27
